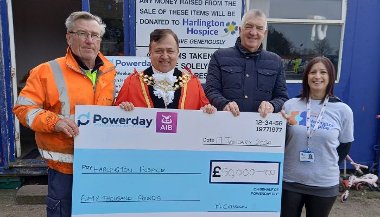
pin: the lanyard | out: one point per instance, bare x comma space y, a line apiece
310, 131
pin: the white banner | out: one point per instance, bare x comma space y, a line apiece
177, 163
202, 27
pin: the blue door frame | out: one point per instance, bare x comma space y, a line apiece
9, 166
7, 142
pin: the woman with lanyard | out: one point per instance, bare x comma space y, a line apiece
319, 136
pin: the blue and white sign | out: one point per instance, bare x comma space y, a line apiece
202, 26
126, 65
177, 163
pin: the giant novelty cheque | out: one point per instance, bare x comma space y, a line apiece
177, 163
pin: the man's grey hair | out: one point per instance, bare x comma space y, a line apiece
70, 21
254, 13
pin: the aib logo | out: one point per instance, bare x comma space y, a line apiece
83, 119
166, 122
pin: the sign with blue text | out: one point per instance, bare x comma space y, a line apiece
126, 65
177, 163
202, 26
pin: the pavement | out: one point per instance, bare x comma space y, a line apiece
29, 201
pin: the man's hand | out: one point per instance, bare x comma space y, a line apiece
127, 106
265, 108
67, 126
233, 108
209, 109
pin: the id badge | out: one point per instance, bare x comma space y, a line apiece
306, 156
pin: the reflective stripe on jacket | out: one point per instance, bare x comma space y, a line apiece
51, 93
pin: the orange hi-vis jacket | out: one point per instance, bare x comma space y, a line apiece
51, 93
136, 91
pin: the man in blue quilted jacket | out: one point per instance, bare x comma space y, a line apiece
246, 78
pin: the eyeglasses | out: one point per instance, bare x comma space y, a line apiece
83, 35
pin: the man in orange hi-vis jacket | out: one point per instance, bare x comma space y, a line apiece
47, 102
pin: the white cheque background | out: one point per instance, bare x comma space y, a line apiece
104, 128
194, 131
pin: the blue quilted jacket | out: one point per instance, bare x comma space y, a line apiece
235, 74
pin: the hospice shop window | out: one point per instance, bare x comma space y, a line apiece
299, 30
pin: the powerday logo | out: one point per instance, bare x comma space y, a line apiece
166, 122
109, 121
83, 119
